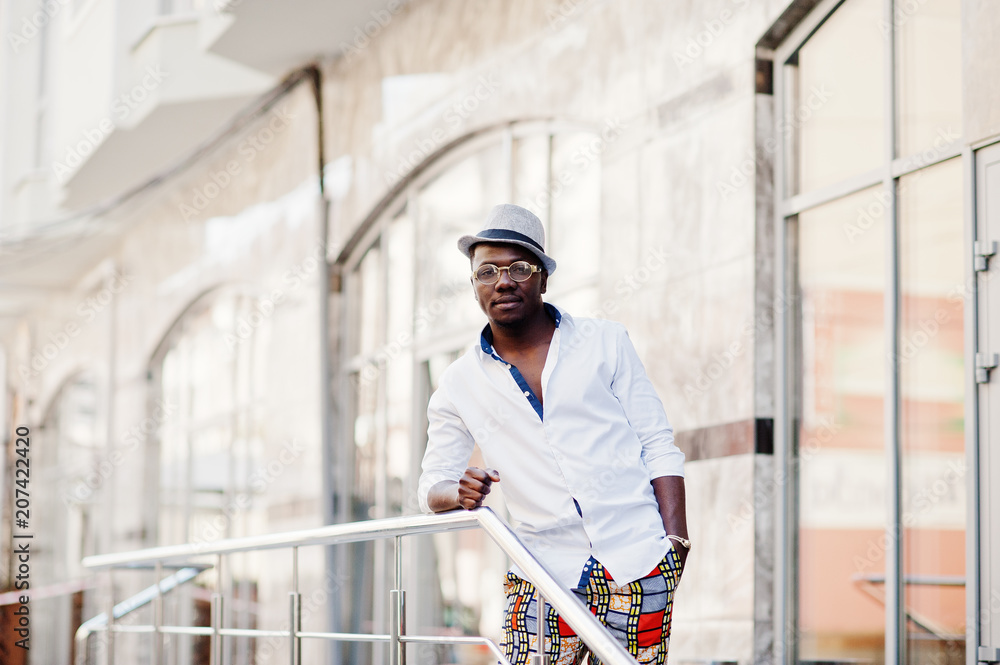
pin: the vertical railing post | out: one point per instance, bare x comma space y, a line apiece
295, 618
397, 610
216, 655
158, 616
541, 657
109, 654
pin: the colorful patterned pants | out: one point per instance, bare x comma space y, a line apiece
637, 614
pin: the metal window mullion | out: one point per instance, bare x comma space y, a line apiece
507, 158
833, 192
783, 587
973, 585
911, 164
895, 647
380, 608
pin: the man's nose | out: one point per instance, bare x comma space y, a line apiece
505, 282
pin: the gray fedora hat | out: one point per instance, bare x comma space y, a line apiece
514, 225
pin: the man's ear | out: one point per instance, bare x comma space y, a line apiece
545, 280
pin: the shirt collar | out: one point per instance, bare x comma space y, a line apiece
486, 336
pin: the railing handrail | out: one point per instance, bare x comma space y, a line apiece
334, 534
595, 635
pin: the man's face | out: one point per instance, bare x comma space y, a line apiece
508, 303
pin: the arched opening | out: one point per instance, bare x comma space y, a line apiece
69, 460
208, 423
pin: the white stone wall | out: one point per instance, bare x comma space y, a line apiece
677, 77
677, 182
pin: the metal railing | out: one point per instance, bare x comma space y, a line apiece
573, 612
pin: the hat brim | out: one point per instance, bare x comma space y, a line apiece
466, 243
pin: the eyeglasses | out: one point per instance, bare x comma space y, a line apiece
519, 271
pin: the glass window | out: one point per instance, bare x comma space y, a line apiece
836, 82
532, 189
932, 410
838, 106
208, 423
69, 464
929, 81
841, 455
574, 233
453, 205
399, 360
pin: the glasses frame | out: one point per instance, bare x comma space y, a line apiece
534, 269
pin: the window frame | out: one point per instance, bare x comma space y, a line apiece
786, 208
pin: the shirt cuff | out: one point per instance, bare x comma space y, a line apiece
671, 464
427, 481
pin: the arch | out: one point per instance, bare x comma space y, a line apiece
202, 422
435, 161
51, 400
202, 299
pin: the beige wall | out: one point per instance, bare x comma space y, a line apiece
669, 184
678, 78
980, 68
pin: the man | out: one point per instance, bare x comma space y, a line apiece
568, 421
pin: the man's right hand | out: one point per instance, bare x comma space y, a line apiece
467, 493
475, 485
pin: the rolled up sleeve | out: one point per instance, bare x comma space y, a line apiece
645, 412
449, 446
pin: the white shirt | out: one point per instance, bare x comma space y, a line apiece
602, 436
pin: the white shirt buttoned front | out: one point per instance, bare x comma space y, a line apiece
576, 474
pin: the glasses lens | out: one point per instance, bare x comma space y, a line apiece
520, 271
487, 273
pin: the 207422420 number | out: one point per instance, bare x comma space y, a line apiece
22, 478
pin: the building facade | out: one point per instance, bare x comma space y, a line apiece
229, 283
